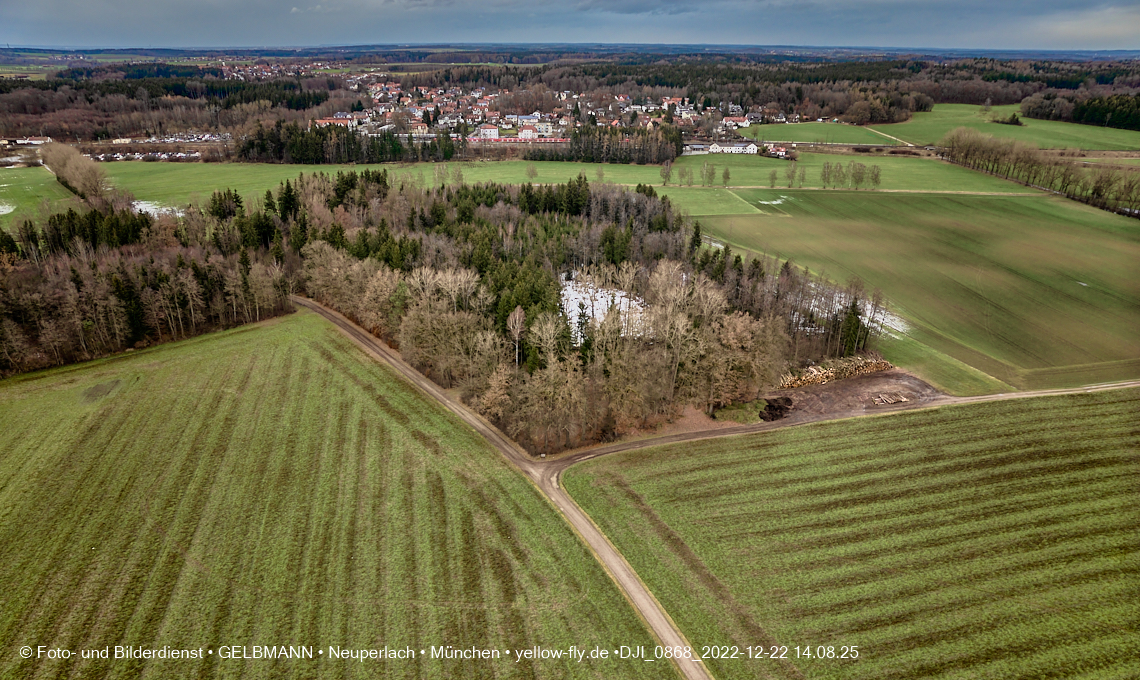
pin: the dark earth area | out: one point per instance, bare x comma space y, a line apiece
864, 393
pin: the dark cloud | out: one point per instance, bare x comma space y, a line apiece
997, 24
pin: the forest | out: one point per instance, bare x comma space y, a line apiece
103, 278
466, 280
80, 108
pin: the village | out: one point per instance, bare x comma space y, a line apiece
478, 116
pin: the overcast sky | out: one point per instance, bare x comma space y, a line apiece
990, 24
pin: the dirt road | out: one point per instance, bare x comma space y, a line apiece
545, 477
901, 141
818, 403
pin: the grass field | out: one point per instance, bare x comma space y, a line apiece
984, 541
1112, 161
175, 184
22, 190
937, 368
821, 133
272, 485
1035, 291
931, 127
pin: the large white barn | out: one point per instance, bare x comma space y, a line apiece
733, 147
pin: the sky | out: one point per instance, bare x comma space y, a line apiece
981, 24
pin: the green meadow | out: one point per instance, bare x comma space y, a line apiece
23, 190
273, 485
992, 540
174, 184
930, 127
1035, 291
818, 133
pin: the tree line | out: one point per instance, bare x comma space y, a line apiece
593, 144
1117, 111
95, 302
101, 109
1108, 187
290, 143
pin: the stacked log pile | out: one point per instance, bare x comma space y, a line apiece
836, 369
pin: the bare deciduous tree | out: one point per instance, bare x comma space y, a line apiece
516, 324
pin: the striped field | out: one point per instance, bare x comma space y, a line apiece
993, 540
272, 485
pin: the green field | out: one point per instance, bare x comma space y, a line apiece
175, 184
931, 127
272, 485
22, 190
1036, 291
985, 541
937, 368
1112, 161
822, 133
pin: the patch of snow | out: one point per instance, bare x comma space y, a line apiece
598, 302
1083, 284
883, 320
892, 322
155, 209
711, 242
778, 201
5, 208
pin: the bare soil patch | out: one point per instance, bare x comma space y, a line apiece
97, 392
865, 393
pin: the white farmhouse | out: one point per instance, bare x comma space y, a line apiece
733, 147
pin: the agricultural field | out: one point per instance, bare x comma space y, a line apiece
1035, 291
22, 190
817, 133
1112, 161
28, 71
272, 485
981, 541
931, 127
174, 184
899, 173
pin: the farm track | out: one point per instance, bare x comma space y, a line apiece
546, 474
901, 141
655, 617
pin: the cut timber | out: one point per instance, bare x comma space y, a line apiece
836, 369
